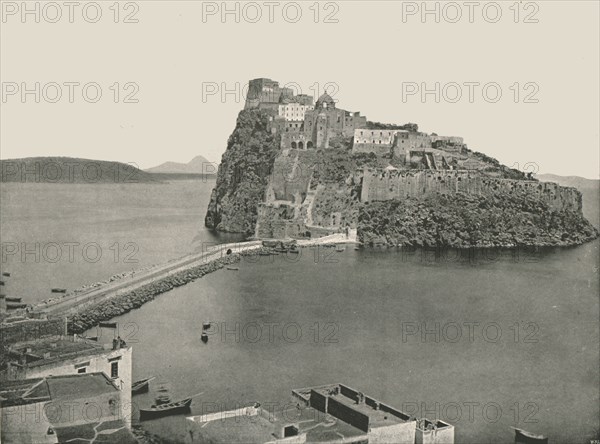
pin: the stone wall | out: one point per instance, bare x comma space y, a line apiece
32, 330
387, 185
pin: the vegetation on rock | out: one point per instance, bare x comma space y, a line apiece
243, 174
461, 221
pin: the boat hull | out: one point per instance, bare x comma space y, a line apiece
169, 409
141, 388
524, 437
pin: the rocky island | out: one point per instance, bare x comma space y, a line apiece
294, 169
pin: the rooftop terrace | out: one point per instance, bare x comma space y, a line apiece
67, 387
46, 352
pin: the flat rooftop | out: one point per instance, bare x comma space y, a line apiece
52, 388
49, 351
377, 418
240, 429
266, 426
84, 385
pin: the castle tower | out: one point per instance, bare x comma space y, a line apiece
320, 133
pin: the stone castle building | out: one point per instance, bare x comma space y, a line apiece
304, 126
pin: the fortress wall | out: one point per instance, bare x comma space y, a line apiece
379, 185
378, 149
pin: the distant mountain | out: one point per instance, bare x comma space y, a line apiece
590, 190
198, 165
569, 181
70, 170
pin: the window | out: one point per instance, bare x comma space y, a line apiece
81, 370
114, 370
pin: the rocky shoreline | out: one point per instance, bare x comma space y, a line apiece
466, 221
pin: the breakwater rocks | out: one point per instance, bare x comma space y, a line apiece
124, 303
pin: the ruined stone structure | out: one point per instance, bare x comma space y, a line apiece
267, 94
412, 148
395, 184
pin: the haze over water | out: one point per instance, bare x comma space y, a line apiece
360, 313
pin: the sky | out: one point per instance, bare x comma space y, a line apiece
518, 80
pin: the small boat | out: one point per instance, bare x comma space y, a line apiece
356, 248
525, 437
141, 386
233, 268
204, 337
15, 305
171, 408
340, 249
205, 325
58, 290
163, 396
9, 299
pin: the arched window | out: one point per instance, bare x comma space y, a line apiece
300, 145
294, 145
309, 144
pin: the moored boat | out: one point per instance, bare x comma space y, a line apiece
11, 299
204, 337
15, 305
141, 386
58, 290
171, 408
525, 437
233, 268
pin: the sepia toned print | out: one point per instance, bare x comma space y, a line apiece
299, 222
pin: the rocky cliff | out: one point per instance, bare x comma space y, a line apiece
243, 174
267, 191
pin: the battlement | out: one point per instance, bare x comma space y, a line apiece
395, 184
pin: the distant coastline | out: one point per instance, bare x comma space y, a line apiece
70, 170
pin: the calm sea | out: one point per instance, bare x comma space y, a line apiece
485, 341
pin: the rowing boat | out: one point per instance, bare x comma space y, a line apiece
525, 437
172, 408
141, 386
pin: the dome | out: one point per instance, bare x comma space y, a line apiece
325, 101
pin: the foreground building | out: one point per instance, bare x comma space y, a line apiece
77, 408
327, 414
71, 355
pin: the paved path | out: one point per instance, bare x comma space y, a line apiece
72, 302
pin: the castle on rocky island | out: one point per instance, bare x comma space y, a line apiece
295, 168
304, 126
